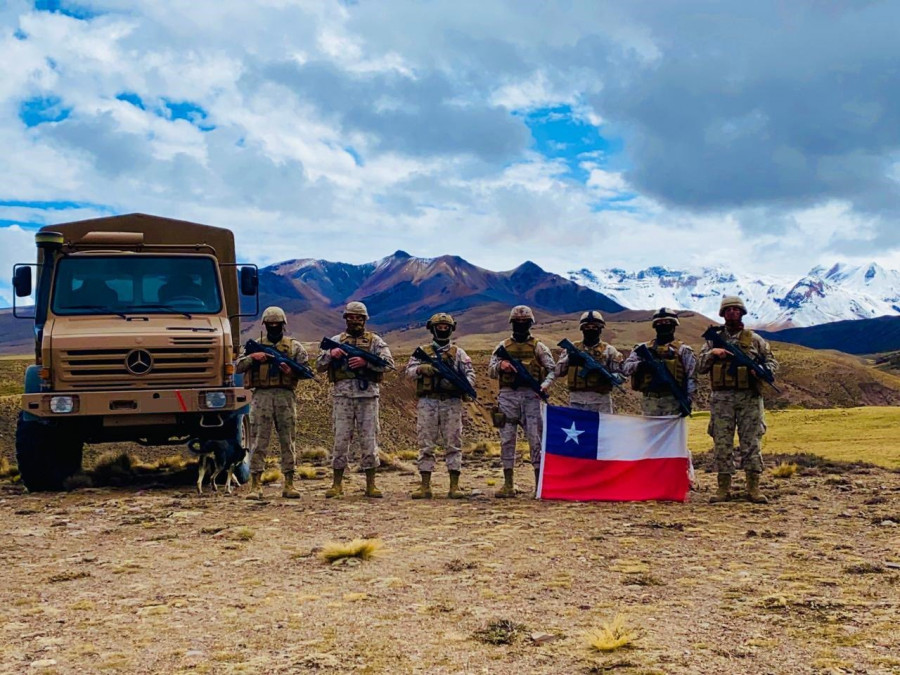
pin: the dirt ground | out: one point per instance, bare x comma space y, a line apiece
157, 579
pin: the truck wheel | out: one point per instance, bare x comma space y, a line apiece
45, 456
242, 473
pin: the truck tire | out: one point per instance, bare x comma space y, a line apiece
46, 456
242, 473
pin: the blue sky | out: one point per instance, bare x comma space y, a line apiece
758, 136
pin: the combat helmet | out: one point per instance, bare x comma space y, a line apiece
665, 313
731, 301
520, 312
592, 316
441, 317
274, 315
356, 307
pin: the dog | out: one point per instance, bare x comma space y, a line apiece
216, 457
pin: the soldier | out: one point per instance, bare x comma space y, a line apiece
736, 401
519, 405
592, 392
679, 359
439, 410
355, 396
274, 402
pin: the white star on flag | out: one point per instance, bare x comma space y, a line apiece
571, 433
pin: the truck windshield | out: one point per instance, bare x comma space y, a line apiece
136, 284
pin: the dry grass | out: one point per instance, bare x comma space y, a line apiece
613, 635
7, 469
306, 472
271, 476
313, 454
408, 455
244, 534
838, 434
784, 470
364, 549
499, 632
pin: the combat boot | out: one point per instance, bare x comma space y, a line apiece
337, 485
753, 493
455, 492
371, 490
255, 486
289, 491
424, 491
508, 491
723, 492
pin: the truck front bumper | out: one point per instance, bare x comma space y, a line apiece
131, 403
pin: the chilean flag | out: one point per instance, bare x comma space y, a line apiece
596, 456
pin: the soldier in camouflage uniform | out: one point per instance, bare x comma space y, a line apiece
355, 396
274, 402
592, 392
439, 410
679, 359
736, 401
519, 405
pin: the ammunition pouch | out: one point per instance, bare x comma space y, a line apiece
498, 418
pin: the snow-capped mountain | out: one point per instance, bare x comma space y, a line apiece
821, 296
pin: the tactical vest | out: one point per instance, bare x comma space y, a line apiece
266, 375
339, 370
642, 379
594, 381
526, 352
720, 378
429, 384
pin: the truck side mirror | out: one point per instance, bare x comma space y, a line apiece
249, 280
22, 280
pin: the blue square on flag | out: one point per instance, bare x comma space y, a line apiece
571, 432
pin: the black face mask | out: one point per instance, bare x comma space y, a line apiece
591, 337
442, 336
665, 335
521, 330
356, 329
275, 333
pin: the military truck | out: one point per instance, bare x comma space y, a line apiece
136, 330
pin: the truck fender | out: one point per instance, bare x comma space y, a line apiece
32, 386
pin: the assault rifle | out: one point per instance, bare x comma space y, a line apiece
522, 374
372, 359
446, 372
662, 374
300, 370
739, 357
589, 364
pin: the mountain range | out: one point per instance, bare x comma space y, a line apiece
823, 295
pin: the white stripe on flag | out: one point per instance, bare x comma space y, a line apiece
629, 438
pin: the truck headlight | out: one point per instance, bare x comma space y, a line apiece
216, 399
62, 404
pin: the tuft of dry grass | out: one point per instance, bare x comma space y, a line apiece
172, 463
390, 462
313, 454
306, 472
784, 470
408, 455
364, 549
7, 470
271, 476
244, 534
612, 635
499, 632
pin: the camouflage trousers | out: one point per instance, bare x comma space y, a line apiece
355, 423
275, 407
522, 408
438, 421
659, 406
591, 400
743, 410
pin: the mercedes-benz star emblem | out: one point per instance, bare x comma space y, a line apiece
139, 362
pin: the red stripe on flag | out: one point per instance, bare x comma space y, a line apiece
577, 479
